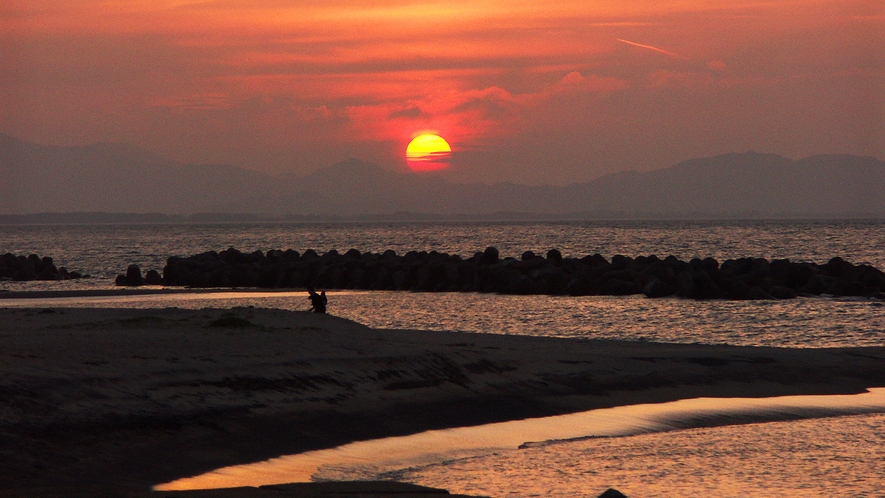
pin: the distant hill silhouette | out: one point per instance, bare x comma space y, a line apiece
115, 178
748, 184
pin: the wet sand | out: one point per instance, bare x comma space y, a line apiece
122, 399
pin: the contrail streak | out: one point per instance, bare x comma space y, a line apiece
656, 49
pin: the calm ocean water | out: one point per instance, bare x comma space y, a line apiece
105, 250
823, 457
727, 461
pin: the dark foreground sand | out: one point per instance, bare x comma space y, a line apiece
119, 400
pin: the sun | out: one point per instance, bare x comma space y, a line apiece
428, 152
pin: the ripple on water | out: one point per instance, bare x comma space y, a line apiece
811, 322
106, 250
839, 456
500, 458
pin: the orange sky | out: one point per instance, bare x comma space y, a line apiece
533, 92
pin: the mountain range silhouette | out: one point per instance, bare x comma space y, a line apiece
116, 178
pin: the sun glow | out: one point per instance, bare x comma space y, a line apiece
428, 152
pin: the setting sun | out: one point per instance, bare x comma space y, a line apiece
428, 152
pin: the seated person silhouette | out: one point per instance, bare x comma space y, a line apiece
317, 301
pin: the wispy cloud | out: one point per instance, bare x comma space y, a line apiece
191, 76
650, 47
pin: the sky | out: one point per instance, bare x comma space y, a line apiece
535, 92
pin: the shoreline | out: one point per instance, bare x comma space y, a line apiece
132, 291
129, 398
397, 454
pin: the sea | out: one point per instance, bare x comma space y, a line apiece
815, 455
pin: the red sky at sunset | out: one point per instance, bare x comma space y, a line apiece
531, 92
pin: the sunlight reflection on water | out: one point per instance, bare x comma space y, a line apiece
804, 322
823, 457
832, 457
105, 251
488, 449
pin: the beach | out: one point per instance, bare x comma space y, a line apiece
124, 399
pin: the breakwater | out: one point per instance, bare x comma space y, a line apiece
33, 267
486, 271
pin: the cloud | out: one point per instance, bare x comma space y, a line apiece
326, 76
576, 82
205, 101
488, 103
409, 113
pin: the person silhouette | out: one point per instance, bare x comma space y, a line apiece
317, 301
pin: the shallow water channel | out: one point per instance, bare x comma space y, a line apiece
388, 457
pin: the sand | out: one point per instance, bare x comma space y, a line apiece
120, 399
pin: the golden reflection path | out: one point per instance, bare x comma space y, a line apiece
365, 459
